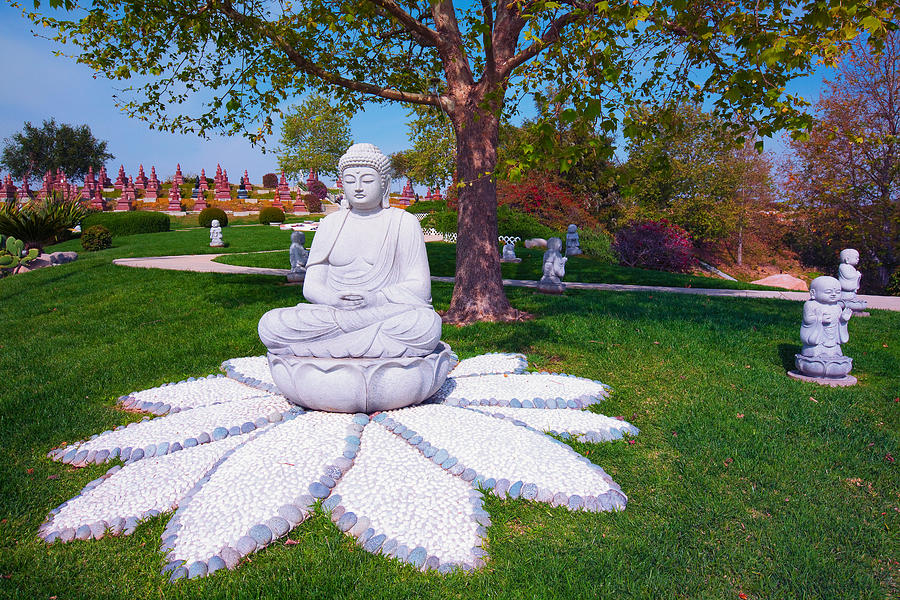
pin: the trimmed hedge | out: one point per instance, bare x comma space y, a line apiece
96, 237
211, 212
128, 223
270, 214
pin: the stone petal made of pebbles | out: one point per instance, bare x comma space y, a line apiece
407, 500
191, 393
252, 371
187, 428
551, 390
261, 480
498, 450
584, 425
492, 363
157, 484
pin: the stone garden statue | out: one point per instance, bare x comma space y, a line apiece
368, 339
215, 235
298, 256
554, 268
509, 253
572, 243
849, 278
823, 331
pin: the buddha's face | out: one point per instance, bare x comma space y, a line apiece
362, 186
826, 290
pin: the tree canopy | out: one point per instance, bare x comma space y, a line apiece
314, 135
57, 147
432, 159
243, 58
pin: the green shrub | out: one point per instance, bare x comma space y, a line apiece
443, 221
128, 223
270, 214
209, 213
427, 206
597, 244
270, 180
893, 285
313, 204
96, 237
514, 223
41, 222
318, 189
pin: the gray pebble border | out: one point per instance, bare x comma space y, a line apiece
592, 436
613, 499
262, 534
232, 372
443, 396
133, 402
123, 525
72, 455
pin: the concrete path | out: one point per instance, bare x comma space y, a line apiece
203, 263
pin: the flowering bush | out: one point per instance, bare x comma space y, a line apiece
318, 189
548, 200
658, 245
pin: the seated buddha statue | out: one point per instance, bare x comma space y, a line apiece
367, 278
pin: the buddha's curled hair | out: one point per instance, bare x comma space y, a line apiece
368, 155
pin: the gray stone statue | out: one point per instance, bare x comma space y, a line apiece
298, 256
573, 246
215, 235
554, 268
509, 254
822, 332
849, 278
369, 292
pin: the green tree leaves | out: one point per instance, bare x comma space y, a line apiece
36, 150
314, 135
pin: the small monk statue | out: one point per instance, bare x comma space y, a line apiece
215, 235
367, 279
849, 277
824, 326
573, 245
509, 253
298, 257
554, 268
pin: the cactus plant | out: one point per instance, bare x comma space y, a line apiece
13, 255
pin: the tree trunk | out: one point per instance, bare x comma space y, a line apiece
740, 245
478, 293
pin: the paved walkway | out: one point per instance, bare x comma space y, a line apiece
204, 263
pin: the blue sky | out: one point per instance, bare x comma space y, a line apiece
38, 85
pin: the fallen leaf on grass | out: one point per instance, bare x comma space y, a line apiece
290, 542
813, 399
740, 415
728, 461
29, 471
52, 476
742, 596
888, 457
632, 442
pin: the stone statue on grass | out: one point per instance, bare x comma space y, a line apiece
298, 257
850, 277
822, 332
215, 235
554, 268
368, 339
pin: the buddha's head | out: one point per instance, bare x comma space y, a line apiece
825, 289
850, 256
366, 176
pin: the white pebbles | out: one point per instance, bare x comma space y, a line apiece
253, 483
490, 363
520, 387
192, 393
587, 426
408, 498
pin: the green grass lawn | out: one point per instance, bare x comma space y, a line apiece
442, 258
741, 481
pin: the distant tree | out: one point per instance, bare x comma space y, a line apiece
36, 150
314, 135
845, 179
432, 159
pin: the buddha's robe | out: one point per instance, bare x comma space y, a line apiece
399, 321
823, 329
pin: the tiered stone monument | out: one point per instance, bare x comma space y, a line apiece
151, 193
369, 340
554, 268
9, 189
223, 187
90, 182
178, 178
127, 198
46, 186
823, 331
244, 189
573, 245
436, 196
104, 179
298, 256
97, 199
850, 277
174, 199
141, 181
24, 194
215, 235
283, 193
120, 179
407, 196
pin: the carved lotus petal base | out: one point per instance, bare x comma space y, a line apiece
829, 367
365, 385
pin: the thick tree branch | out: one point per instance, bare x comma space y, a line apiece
311, 68
422, 33
551, 35
488, 36
451, 47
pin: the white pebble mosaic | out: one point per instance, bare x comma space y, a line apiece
583, 425
523, 390
191, 393
493, 363
396, 498
244, 467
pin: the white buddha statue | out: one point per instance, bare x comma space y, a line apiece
367, 277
